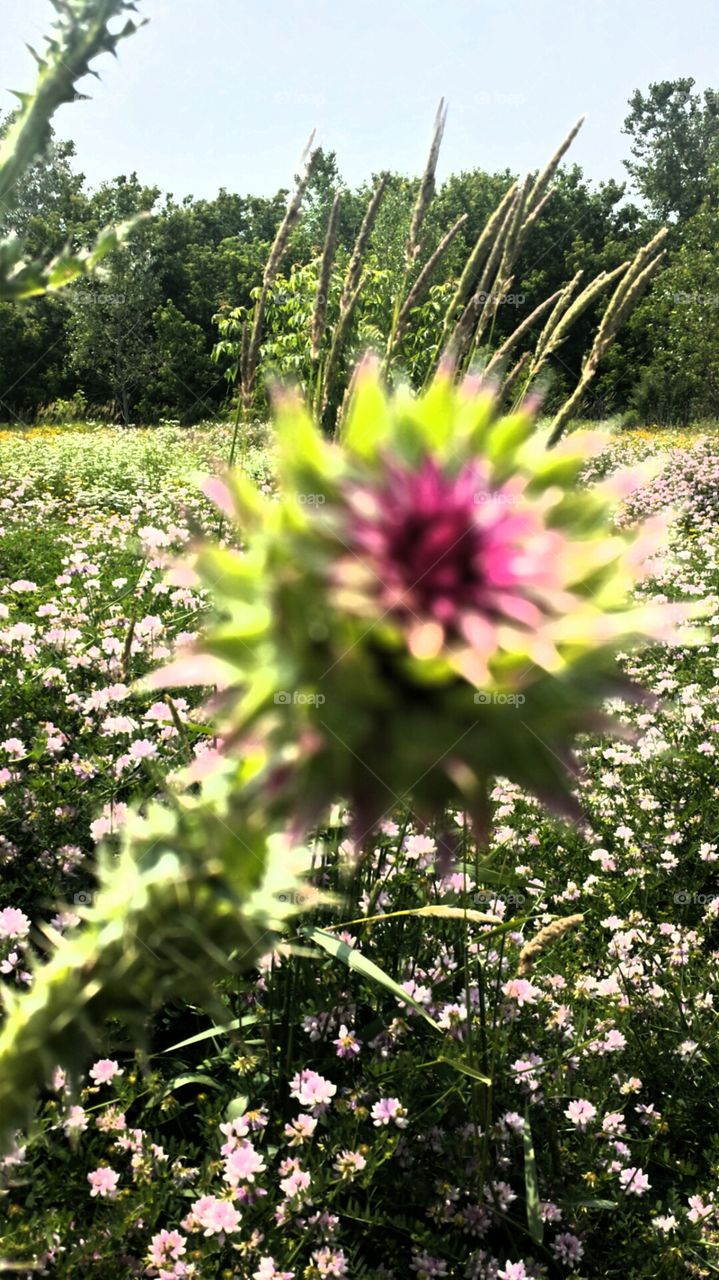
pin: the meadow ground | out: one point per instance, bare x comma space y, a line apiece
355, 1145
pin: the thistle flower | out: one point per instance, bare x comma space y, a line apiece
447, 556
434, 601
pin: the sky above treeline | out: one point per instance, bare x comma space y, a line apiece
218, 93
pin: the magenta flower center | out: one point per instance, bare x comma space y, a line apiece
451, 550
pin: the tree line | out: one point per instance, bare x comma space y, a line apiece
152, 336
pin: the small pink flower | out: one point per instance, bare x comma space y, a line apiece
166, 1246
419, 847
104, 1183
522, 991
13, 923
296, 1182
634, 1182
75, 1121
242, 1164
300, 1130
389, 1111
217, 1217
104, 1071
513, 1271
312, 1090
581, 1112
142, 749
347, 1044
349, 1163
267, 1270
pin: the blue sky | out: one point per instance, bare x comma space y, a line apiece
224, 92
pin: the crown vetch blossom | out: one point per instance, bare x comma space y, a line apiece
434, 600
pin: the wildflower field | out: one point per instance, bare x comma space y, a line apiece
481, 1059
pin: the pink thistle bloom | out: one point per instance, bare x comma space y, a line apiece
389, 1111
13, 923
103, 1183
105, 1070
581, 1113
450, 557
14, 747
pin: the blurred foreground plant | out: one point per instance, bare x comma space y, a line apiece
82, 32
433, 602
201, 889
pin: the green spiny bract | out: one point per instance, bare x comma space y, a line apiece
81, 34
198, 891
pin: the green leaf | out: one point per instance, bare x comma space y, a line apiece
236, 1108
459, 1064
366, 968
194, 1078
213, 1031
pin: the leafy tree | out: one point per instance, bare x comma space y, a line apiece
184, 366
111, 333
673, 339
675, 145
